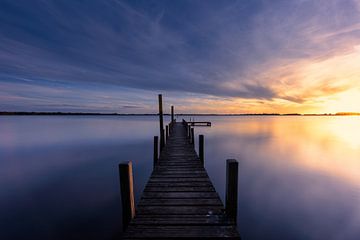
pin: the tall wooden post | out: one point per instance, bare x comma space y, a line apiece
231, 198
201, 148
167, 133
172, 114
192, 136
127, 193
156, 153
189, 131
161, 120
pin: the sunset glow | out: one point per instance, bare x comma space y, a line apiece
219, 57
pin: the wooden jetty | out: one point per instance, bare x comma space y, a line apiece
179, 200
191, 123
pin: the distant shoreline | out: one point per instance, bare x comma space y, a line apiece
166, 114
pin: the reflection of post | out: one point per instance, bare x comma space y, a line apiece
156, 153
127, 193
161, 120
201, 148
172, 114
231, 198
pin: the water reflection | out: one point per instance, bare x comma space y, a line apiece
299, 176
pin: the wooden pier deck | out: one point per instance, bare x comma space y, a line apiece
179, 200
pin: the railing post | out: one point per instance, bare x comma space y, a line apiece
162, 139
167, 133
231, 198
172, 114
127, 193
156, 151
192, 136
201, 148
161, 120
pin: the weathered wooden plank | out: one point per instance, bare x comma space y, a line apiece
151, 180
179, 184
182, 175
180, 195
178, 220
180, 202
161, 232
179, 189
171, 210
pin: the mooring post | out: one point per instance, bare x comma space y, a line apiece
201, 148
189, 131
127, 193
167, 133
192, 136
231, 198
156, 153
172, 114
161, 120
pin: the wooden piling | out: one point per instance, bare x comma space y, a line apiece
167, 132
231, 198
172, 114
156, 151
161, 120
127, 193
192, 136
201, 148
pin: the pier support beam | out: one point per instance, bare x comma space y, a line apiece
161, 120
231, 198
156, 153
167, 133
127, 193
201, 148
192, 137
172, 114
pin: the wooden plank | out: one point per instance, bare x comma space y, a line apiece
180, 195
171, 210
161, 232
179, 189
176, 220
180, 202
179, 184
151, 180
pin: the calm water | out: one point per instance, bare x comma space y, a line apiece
299, 176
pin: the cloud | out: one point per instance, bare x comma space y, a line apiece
249, 50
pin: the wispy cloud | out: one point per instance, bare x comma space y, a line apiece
283, 53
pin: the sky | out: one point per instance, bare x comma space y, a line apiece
245, 56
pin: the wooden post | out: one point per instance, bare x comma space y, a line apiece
161, 120
162, 139
192, 136
189, 131
127, 193
167, 133
231, 198
156, 153
172, 114
201, 148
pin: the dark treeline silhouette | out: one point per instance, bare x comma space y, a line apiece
179, 114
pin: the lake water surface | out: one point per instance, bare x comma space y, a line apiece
299, 177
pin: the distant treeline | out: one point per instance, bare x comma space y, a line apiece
181, 114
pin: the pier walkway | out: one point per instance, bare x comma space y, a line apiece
179, 200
